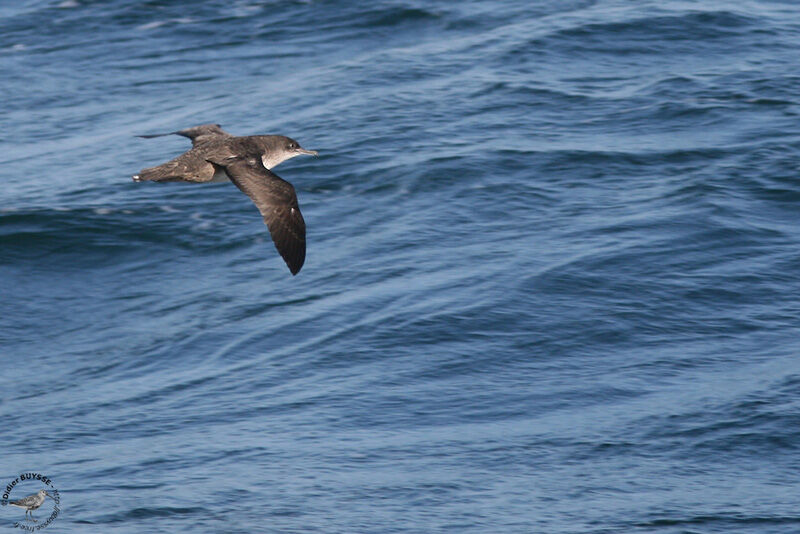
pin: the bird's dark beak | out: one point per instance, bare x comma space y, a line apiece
308, 152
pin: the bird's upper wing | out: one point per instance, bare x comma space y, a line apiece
276, 199
198, 134
190, 166
198, 164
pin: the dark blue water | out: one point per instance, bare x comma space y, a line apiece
552, 284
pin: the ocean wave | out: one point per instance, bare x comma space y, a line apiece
108, 233
688, 26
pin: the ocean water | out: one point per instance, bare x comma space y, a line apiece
552, 283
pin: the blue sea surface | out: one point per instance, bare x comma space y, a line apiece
552, 282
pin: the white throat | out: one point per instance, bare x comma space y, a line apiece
273, 160
268, 161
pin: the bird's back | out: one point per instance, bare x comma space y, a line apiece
195, 165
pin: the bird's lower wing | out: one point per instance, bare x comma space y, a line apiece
276, 199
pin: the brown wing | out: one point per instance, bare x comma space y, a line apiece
198, 134
188, 167
196, 164
276, 200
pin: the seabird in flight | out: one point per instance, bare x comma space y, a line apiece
217, 156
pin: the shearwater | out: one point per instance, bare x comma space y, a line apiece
217, 156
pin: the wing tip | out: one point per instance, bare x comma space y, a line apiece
153, 136
294, 264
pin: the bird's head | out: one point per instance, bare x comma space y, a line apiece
278, 148
43, 493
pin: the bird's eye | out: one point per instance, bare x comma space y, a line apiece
292, 145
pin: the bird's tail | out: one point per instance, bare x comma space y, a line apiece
162, 173
144, 175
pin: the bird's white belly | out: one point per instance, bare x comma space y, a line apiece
220, 176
